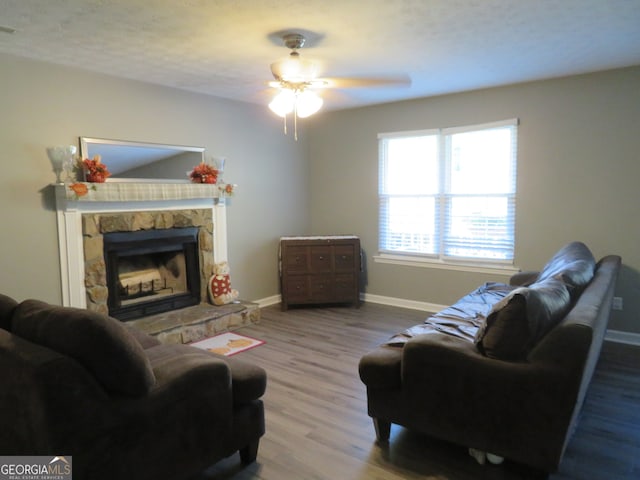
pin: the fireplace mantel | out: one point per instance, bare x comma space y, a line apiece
133, 192
114, 197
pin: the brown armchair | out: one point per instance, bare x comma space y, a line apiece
120, 403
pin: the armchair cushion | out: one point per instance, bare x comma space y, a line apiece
102, 344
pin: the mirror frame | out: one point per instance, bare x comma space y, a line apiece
85, 152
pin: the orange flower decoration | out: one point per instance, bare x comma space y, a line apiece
203, 173
80, 189
95, 170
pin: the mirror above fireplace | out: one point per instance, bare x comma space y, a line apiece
143, 162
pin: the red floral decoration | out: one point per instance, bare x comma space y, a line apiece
94, 170
204, 173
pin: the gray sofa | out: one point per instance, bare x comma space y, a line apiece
505, 370
120, 403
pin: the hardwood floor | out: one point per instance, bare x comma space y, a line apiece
318, 428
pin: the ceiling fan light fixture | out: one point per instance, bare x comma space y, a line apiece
283, 103
293, 69
307, 103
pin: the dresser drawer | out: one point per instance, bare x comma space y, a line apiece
321, 288
296, 259
344, 286
296, 288
320, 259
344, 257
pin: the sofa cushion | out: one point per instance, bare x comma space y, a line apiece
100, 343
7, 305
574, 264
521, 319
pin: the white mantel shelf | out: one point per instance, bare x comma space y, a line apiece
136, 192
126, 197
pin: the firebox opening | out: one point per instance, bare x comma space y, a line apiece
151, 271
160, 274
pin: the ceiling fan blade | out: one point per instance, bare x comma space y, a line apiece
298, 85
364, 82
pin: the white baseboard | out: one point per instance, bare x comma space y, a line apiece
268, 301
403, 303
623, 337
611, 336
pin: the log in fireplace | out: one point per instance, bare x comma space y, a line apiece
151, 271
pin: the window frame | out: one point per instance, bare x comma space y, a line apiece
440, 259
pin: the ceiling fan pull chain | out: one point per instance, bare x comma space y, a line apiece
285, 123
295, 121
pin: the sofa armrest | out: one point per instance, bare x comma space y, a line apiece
380, 368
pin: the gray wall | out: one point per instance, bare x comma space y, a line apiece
45, 105
578, 173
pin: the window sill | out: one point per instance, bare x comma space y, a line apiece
414, 261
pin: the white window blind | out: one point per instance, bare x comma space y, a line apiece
449, 194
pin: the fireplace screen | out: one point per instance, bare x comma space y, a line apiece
151, 271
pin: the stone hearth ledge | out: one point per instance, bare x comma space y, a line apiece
191, 324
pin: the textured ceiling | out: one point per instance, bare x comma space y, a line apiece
224, 47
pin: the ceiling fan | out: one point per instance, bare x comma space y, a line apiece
297, 79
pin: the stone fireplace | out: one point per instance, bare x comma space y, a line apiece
169, 227
141, 263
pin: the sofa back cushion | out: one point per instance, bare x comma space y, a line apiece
7, 305
574, 264
100, 343
516, 323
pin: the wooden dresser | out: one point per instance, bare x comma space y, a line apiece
320, 269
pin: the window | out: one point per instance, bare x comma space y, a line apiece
449, 194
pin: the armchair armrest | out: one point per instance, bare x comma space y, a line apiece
180, 368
